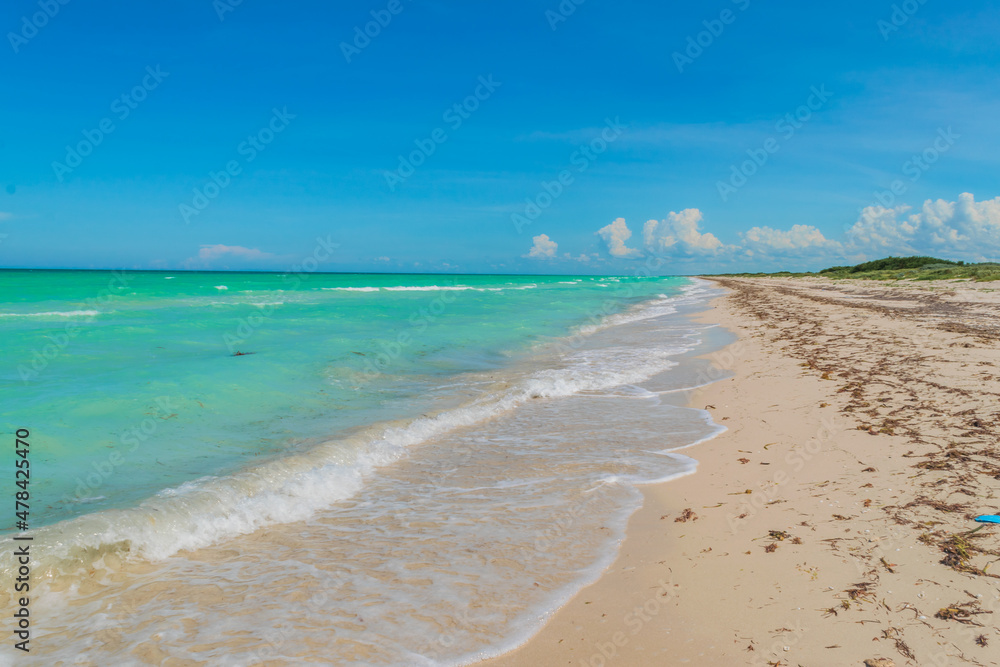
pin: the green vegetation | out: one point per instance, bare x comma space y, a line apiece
901, 268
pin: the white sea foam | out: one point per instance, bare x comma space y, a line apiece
56, 313
221, 287
541, 488
351, 289
293, 488
433, 288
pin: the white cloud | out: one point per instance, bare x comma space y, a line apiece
964, 228
961, 229
209, 253
544, 248
680, 231
615, 235
799, 239
382, 259
880, 228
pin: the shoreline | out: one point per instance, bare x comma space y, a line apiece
797, 540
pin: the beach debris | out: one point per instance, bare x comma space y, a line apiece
959, 550
771, 548
869, 469
868, 502
742, 493
861, 592
879, 662
934, 465
242, 354
988, 518
841, 517
981, 640
685, 516
887, 565
896, 635
744, 461
778, 535
962, 612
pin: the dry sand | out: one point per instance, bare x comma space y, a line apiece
829, 525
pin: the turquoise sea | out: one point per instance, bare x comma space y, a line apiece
175, 417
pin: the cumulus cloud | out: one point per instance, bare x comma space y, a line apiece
544, 248
799, 239
680, 231
962, 228
615, 235
207, 253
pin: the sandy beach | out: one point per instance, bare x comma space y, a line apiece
830, 524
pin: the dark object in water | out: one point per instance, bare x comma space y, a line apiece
242, 354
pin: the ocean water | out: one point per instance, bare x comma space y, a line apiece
396, 470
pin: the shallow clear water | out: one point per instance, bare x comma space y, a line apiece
347, 494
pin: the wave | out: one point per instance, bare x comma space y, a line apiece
296, 486
56, 313
433, 288
664, 305
430, 288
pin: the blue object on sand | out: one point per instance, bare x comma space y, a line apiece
988, 518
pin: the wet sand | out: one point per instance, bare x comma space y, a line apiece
830, 524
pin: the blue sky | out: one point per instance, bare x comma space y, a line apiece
692, 158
